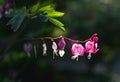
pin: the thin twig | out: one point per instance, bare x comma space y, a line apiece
75, 41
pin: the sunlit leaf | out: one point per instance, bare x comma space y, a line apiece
47, 8
57, 23
55, 14
35, 7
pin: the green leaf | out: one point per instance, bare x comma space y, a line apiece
23, 10
49, 7
57, 23
55, 14
17, 19
35, 7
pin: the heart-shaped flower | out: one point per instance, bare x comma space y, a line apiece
77, 50
91, 47
61, 46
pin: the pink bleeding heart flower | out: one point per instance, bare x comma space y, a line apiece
77, 50
54, 47
1, 10
91, 47
61, 45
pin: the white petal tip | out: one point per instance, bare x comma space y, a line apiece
89, 56
75, 57
61, 53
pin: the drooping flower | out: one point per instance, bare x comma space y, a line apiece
1, 10
27, 48
77, 50
44, 49
91, 47
54, 47
61, 45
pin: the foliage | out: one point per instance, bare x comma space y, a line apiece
82, 17
44, 11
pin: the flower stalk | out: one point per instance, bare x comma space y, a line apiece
79, 47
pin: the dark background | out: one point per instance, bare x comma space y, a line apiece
82, 19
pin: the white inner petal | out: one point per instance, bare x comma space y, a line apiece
61, 53
75, 57
89, 56
44, 49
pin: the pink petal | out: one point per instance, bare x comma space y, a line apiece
54, 46
77, 49
89, 46
95, 51
95, 39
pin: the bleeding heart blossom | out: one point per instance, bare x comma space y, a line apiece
61, 45
54, 47
77, 50
91, 47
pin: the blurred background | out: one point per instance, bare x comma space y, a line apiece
82, 19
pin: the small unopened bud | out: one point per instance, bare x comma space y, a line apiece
62, 44
44, 49
95, 39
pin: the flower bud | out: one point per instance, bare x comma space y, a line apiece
44, 49
95, 39
62, 44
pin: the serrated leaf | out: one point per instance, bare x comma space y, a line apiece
17, 20
55, 14
57, 23
35, 7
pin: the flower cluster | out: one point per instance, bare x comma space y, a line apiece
57, 48
91, 47
78, 48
